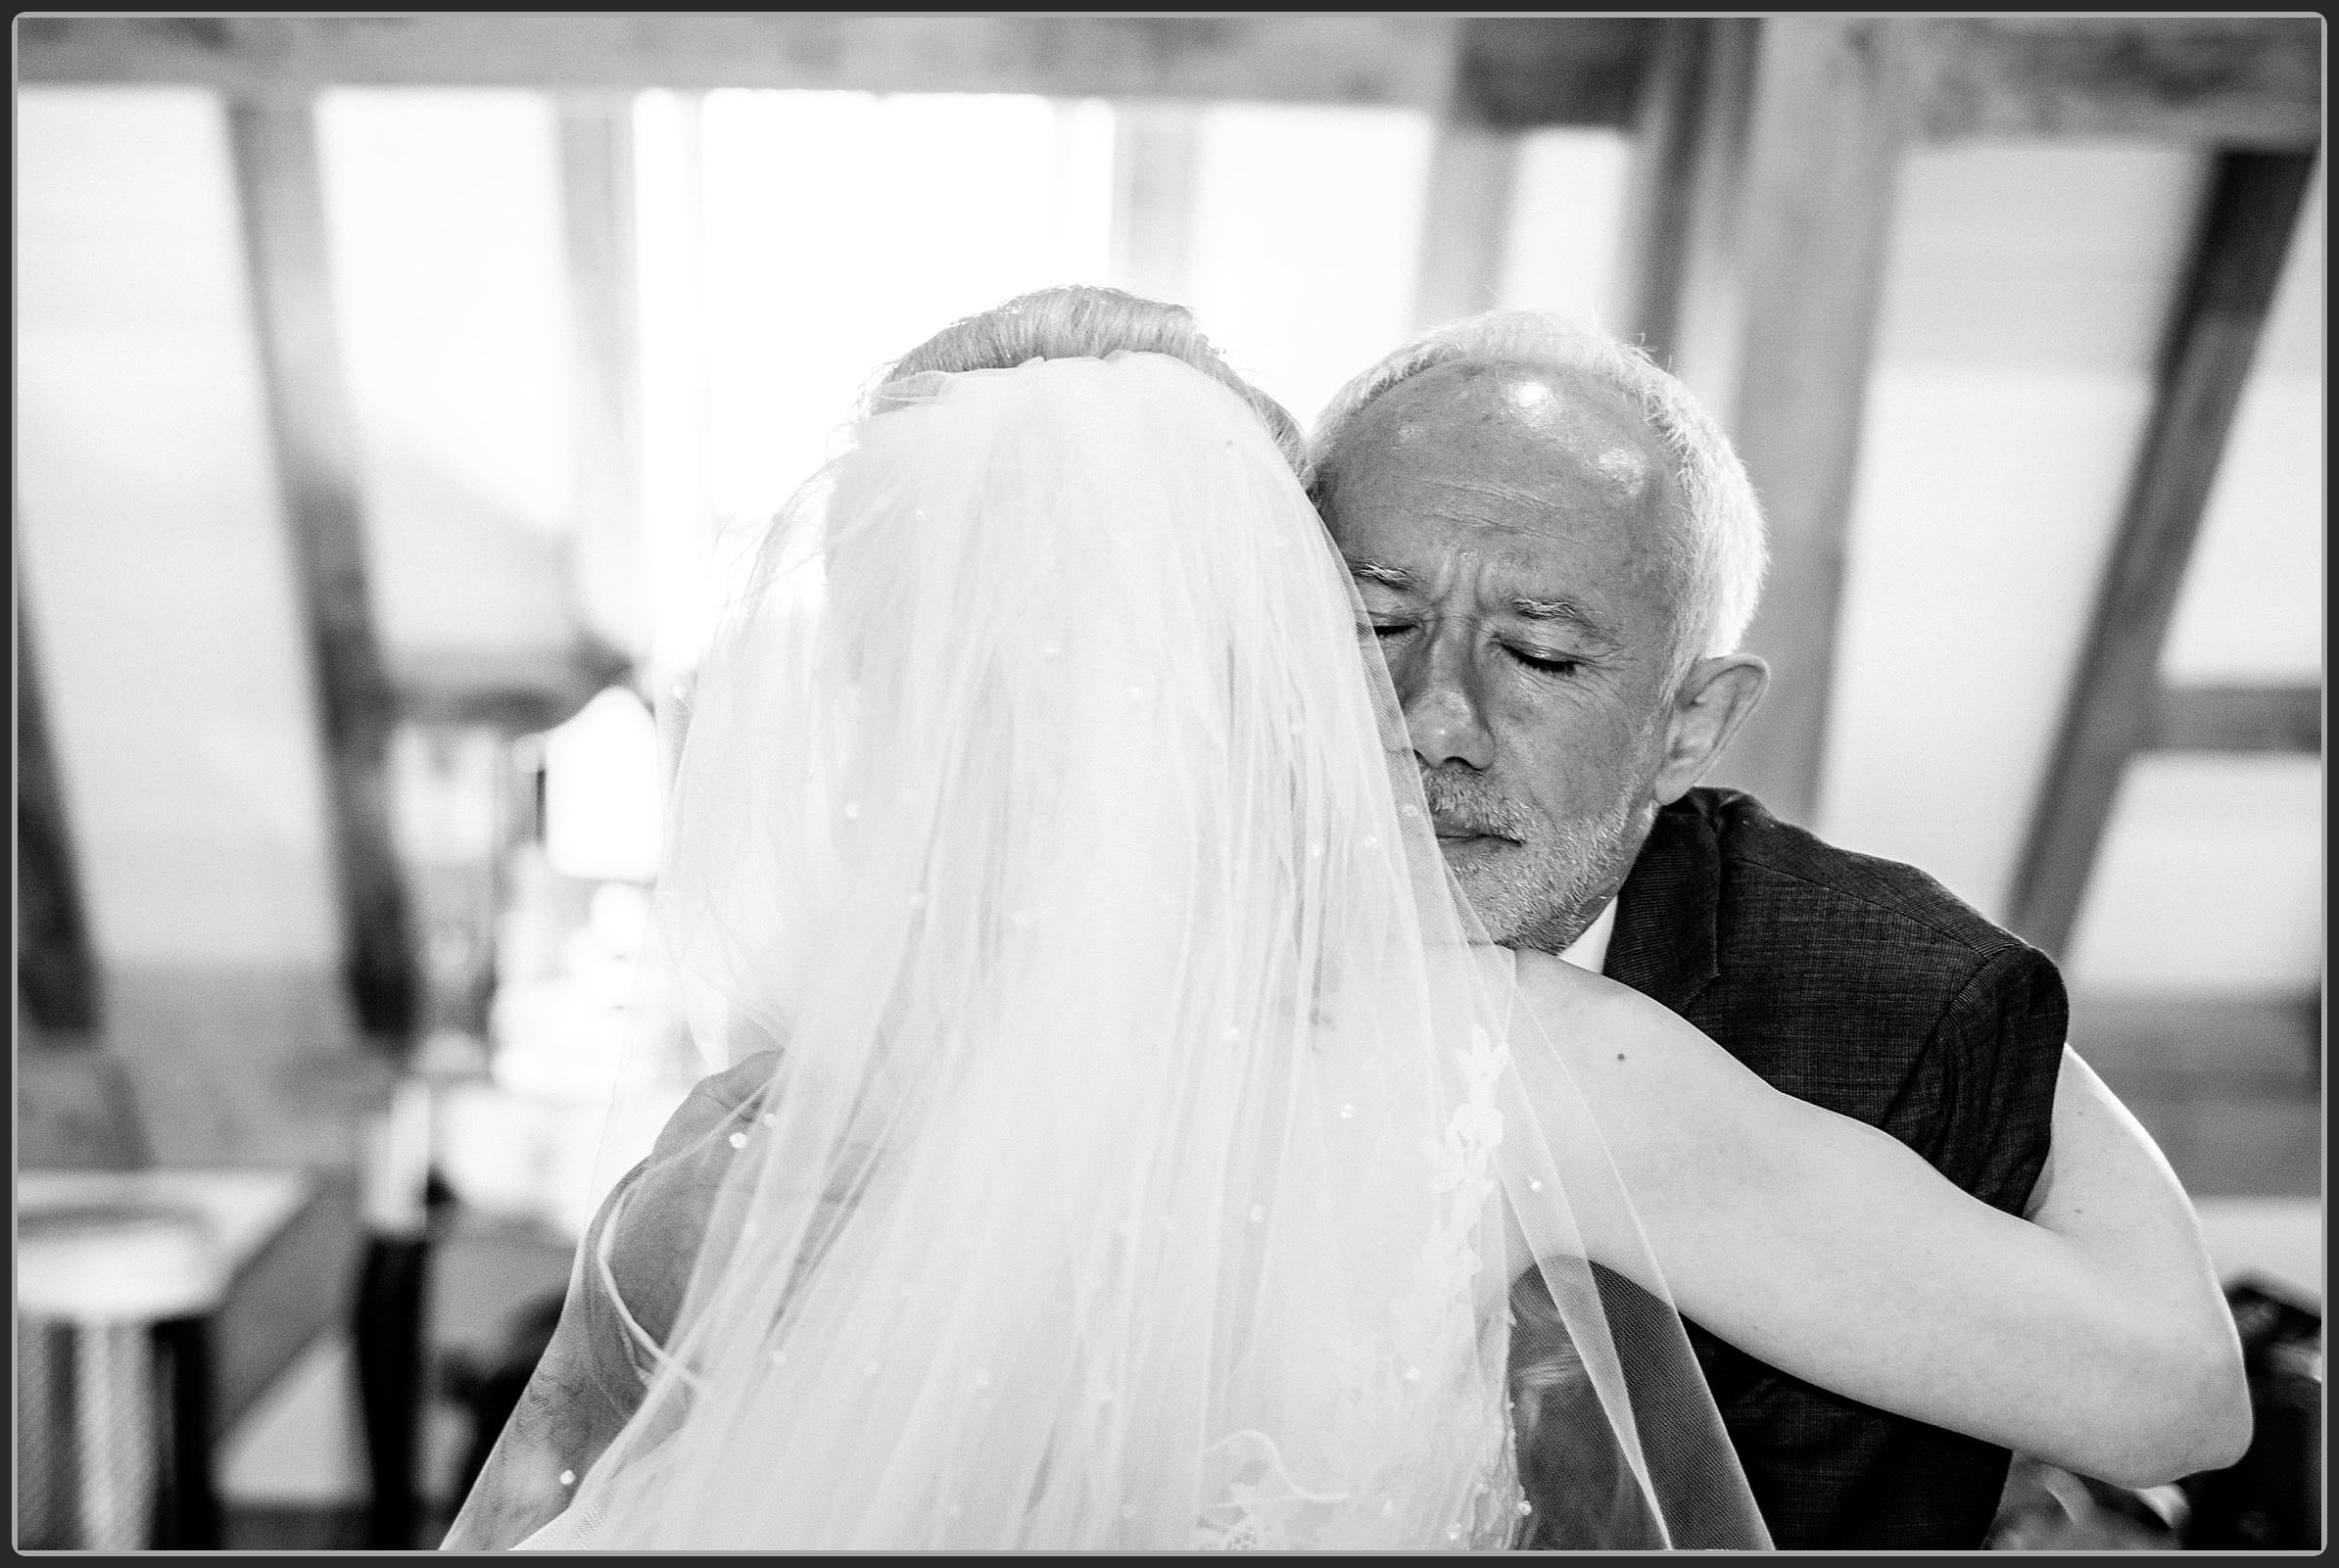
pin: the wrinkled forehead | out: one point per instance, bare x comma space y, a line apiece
1527, 427
1545, 461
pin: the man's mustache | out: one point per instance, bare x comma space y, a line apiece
1460, 804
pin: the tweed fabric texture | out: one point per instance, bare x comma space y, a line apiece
1867, 987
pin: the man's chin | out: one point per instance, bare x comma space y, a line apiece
1478, 869
1516, 899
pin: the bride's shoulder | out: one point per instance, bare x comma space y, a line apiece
1533, 964
1587, 1017
1550, 982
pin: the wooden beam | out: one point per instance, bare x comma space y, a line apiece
76, 1108
281, 196
2235, 81
1157, 163
678, 517
1689, 125
2238, 254
1398, 59
2238, 719
514, 694
2251, 81
1776, 323
285, 1296
1518, 72
2283, 719
596, 187
56, 977
1465, 222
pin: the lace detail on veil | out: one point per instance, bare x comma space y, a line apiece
1390, 1383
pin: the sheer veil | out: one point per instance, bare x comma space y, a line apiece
1130, 1142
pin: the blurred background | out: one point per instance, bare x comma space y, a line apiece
391, 394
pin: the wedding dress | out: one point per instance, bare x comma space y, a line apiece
1137, 1143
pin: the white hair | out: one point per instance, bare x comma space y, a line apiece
1717, 553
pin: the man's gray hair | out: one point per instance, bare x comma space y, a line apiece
1718, 553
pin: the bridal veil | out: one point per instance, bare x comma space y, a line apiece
1130, 1142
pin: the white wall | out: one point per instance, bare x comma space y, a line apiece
1567, 213
2211, 875
1307, 240
153, 544
2025, 291
822, 235
2209, 880
450, 294
2253, 605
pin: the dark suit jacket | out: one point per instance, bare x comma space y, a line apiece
1867, 987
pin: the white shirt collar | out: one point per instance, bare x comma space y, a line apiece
1589, 951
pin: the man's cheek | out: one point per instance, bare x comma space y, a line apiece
1569, 782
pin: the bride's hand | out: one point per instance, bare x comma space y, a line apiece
665, 1207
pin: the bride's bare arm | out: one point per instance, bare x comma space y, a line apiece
2092, 1334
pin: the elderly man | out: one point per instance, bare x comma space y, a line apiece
1558, 552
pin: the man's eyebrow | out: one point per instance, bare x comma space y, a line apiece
1373, 571
1561, 610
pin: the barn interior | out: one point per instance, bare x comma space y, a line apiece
393, 391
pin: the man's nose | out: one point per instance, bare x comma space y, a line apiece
1444, 714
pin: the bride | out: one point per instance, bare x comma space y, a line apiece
1132, 1141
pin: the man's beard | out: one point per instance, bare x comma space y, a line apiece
1540, 892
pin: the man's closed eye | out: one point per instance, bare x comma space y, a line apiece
1558, 664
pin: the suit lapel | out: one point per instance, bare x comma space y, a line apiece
1667, 940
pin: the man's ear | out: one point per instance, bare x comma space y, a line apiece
1714, 699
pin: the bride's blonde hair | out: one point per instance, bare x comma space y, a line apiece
1087, 321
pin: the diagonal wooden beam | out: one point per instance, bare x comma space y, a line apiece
56, 977
281, 196
2239, 253
2238, 719
1465, 222
1157, 165
284, 1296
1775, 318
